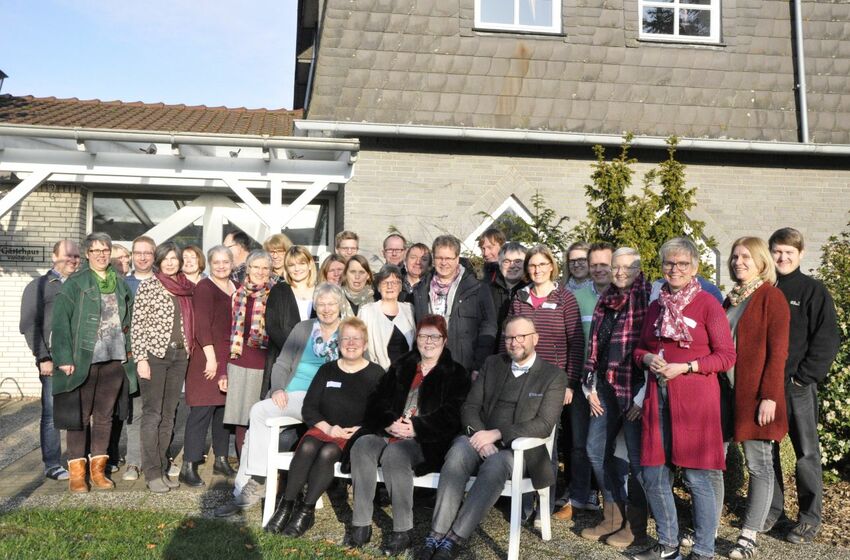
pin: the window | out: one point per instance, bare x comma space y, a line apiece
692, 21
539, 16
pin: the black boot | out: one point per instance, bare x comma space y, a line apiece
189, 475
301, 520
222, 466
357, 537
281, 515
398, 542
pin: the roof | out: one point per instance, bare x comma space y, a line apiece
94, 113
422, 62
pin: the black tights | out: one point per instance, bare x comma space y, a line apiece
312, 465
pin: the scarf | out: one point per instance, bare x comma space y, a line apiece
630, 305
364, 296
574, 285
439, 293
327, 350
107, 284
671, 321
182, 288
257, 335
741, 292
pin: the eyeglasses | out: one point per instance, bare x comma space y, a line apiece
429, 337
142, 253
351, 339
390, 283
519, 338
514, 262
445, 259
393, 251
578, 262
539, 266
100, 252
681, 266
623, 268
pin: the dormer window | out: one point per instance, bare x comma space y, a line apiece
534, 16
687, 21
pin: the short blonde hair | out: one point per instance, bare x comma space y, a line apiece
298, 252
760, 252
543, 250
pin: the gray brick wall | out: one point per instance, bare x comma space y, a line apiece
45, 216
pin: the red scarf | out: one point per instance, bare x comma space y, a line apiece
671, 321
182, 288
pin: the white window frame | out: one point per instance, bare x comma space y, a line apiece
555, 28
713, 8
511, 203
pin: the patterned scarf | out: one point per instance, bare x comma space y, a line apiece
439, 293
257, 335
361, 298
182, 288
671, 321
327, 350
633, 303
741, 292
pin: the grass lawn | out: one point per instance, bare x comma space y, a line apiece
107, 533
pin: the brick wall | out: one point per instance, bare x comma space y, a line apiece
45, 216
425, 194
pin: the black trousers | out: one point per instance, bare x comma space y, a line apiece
195, 441
97, 399
802, 405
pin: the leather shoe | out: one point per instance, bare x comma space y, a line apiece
189, 475
301, 521
565, 513
399, 542
281, 516
358, 536
227, 510
802, 533
222, 466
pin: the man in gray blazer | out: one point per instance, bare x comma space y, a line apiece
516, 395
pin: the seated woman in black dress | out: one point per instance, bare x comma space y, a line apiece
333, 408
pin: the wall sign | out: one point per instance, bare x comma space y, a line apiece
22, 253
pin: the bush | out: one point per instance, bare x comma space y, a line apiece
834, 425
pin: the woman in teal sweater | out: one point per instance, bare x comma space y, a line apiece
91, 347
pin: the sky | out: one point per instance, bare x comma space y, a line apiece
197, 52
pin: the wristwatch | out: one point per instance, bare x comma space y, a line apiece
690, 367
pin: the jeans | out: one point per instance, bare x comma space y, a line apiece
397, 461
462, 462
802, 403
98, 395
160, 394
580, 469
612, 473
51, 444
658, 484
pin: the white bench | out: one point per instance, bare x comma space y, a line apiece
515, 487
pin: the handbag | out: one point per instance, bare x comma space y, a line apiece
67, 410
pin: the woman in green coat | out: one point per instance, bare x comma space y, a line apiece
91, 352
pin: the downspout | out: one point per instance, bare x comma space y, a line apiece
801, 72
312, 71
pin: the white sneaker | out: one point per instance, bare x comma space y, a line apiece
132, 473
173, 470
251, 494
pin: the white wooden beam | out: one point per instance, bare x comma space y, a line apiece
175, 223
251, 201
22, 190
303, 200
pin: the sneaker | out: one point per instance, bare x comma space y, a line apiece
57, 473
592, 504
427, 551
802, 533
132, 473
744, 548
173, 470
688, 538
250, 495
658, 552
447, 550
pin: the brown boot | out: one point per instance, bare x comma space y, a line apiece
77, 475
633, 531
612, 521
97, 467
565, 513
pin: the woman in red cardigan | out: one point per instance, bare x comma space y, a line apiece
684, 343
759, 317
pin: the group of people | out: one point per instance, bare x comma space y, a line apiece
426, 367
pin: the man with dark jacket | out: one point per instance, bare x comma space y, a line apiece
813, 344
454, 292
516, 395
506, 281
35, 325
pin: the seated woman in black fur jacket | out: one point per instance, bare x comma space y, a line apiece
414, 415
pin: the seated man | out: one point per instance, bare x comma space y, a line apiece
516, 395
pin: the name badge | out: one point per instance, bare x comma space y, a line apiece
334, 384
690, 322
533, 395
549, 305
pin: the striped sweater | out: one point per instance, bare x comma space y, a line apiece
558, 322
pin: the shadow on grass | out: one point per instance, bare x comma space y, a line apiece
205, 538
